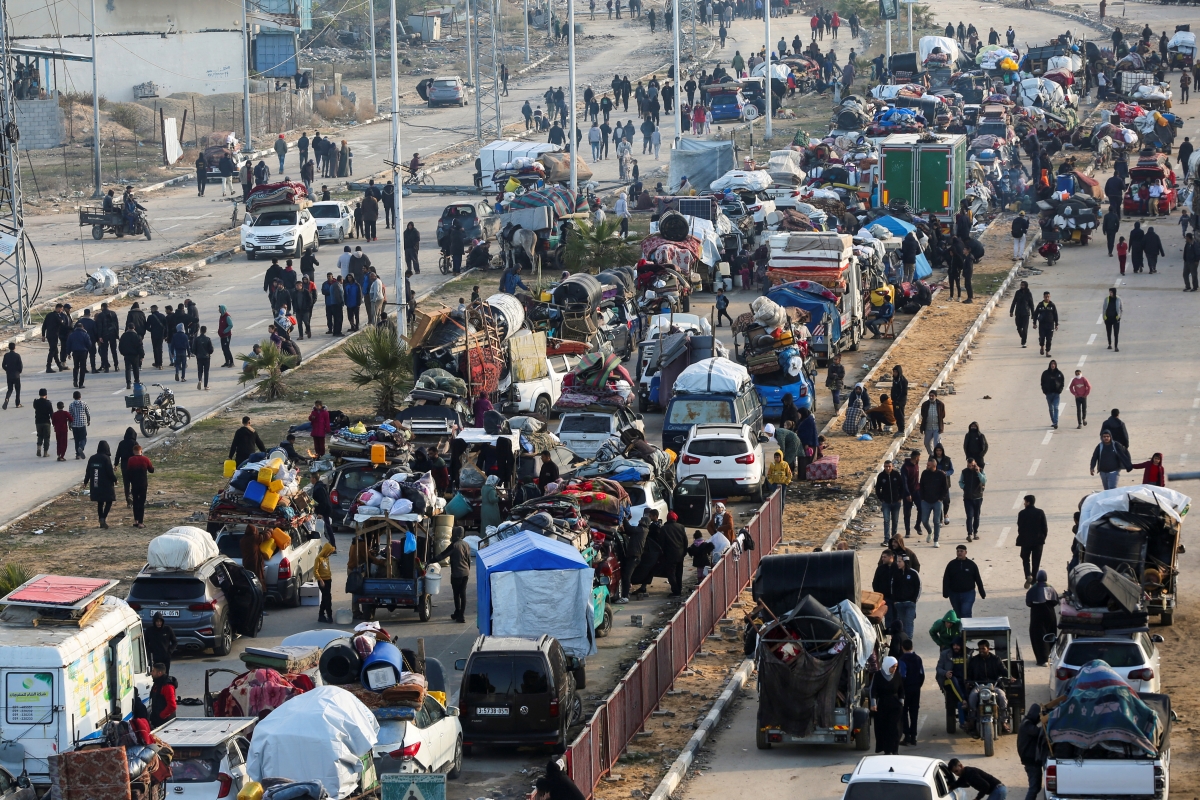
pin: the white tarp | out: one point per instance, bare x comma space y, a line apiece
1101, 503
1183, 40
702, 229
181, 548
779, 71
863, 628
784, 168
320, 735
755, 180
498, 153
927, 43
1069, 62
886, 91
712, 376
535, 602
701, 160
172, 150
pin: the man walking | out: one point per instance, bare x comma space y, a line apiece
891, 490
905, 590
281, 148
1111, 225
108, 328
1022, 309
933, 421
910, 471
1191, 259
959, 582
899, 398
332, 290
246, 442
52, 327
1052, 386
1032, 530
43, 410
1045, 317
1020, 227
12, 373
156, 324
1116, 427
934, 487
1080, 388
459, 553
1110, 457
722, 304
972, 482
80, 345
133, 351
202, 349
81, 418
1029, 735
914, 679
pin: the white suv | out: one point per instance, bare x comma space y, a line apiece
283, 232
1133, 656
901, 777
335, 221
729, 456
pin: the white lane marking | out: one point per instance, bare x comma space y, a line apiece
1045, 439
1003, 535
118, 391
169, 227
1020, 501
226, 289
259, 275
1100, 320
1033, 469
921, 719
1117, 282
1092, 340
1183, 458
172, 219
1083, 357
1196, 402
1187, 439
260, 322
1192, 421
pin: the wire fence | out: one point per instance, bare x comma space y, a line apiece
612, 727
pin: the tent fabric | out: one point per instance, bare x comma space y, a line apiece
1102, 709
712, 376
701, 161
900, 228
857, 622
318, 736
816, 306
1097, 505
523, 602
181, 548
779, 72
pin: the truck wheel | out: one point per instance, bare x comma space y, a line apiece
581, 677
760, 740
97, 231
862, 740
1166, 618
687, 303
542, 407
988, 732
425, 609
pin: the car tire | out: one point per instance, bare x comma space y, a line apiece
456, 764
223, 643
605, 624
425, 610
643, 403
341, 237
299, 247
542, 407
760, 740
862, 740
580, 677
291, 595
757, 495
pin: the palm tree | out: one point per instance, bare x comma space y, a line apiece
382, 361
12, 575
597, 248
271, 362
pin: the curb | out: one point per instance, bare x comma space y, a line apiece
678, 770
911, 423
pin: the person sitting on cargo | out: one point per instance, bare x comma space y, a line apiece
879, 316
986, 667
109, 204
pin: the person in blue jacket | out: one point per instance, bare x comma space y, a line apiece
181, 348
79, 344
353, 294
510, 281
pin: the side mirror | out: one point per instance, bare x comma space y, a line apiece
452, 711
763, 438
460, 664
1157, 639
846, 777
638, 416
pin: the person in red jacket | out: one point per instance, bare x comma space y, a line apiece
61, 419
162, 697
320, 426
137, 471
1155, 474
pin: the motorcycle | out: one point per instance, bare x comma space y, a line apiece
987, 717
162, 413
1051, 252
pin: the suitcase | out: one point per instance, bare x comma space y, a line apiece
823, 469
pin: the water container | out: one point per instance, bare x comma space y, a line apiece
266, 475
255, 491
253, 790
378, 454
508, 313
282, 540
433, 579
727, 284
267, 548
269, 501
1118, 542
275, 486
230, 467
382, 668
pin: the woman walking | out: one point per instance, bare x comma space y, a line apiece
124, 451
101, 481
343, 170
1043, 619
160, 641
887, 704
319, 419
137, 480
489, 511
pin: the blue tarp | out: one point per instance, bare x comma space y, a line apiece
816, 306
524, 552
900, 228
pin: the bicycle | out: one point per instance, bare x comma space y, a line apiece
417, 178
445, 263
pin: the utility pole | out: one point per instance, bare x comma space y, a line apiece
245, 82
470, 49
573, 123
400, 284
96, 192
678, 75
526, 31
910, 38
695, 51
888, 24
15, 304
374, 68
768, 75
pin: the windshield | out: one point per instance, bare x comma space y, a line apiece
445, 84
195, 765
718, 447
326, 212
1118, 655
356, 480
273, 219
695, 412
590, 424
167, 589
724, 100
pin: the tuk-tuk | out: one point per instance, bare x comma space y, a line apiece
1181, 50
999, 634
394, 575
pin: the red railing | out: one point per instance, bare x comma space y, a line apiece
612, 727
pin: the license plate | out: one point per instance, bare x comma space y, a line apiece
166, 613
492, 711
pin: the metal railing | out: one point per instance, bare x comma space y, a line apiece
612, 727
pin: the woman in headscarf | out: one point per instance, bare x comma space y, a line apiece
975, 444
225, 333
887, 704
252, 557
101, 481
944, 464
790, 412
180, 349
160, 641
124, 451
482, 406
137, 481
344, 160
489, 509
721, 520
1043, 615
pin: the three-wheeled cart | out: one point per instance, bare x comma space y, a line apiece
113, 222
392, 578
999, 634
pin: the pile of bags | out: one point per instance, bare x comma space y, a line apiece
275, 194
439, 380
356, 441
598, 380
776, 338
394, 498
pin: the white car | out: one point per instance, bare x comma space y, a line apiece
784, 196
335, 220
210, 756
1133, 656
537, 396
280, 232
902, 778
287, 569
431, 742
728, 455
584, 431
643, 497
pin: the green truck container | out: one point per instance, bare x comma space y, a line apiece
927, 170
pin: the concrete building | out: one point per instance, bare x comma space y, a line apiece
160, 47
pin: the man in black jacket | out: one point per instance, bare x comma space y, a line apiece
302, 306
1114, 190
891, 491
986, 667
1109, 458
960, 581
910, 248
1031, 536
1022, 309
156, 324
674, 548
899, 399
274, 273
935, 488
635, 545
1020, 227
1191, 260
246, 442
108, 326
1030, 749
1111, 225
1116, 427
133, 350
905, 590
459, 553
974, 778
202, 349
51, 328
1045, 317
137, 318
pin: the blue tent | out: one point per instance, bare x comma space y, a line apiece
529, 585
816, 306
900, 228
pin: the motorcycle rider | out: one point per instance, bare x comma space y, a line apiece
129, 210
986, 667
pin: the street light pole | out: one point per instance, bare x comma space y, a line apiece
401, 282
374, 68
694, 10
571, 78
767, 73
678, 89
526, 31
245, 80
96, 192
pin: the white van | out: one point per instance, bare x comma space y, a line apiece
70, 657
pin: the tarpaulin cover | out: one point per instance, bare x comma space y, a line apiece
1101, 708
753, 180
818, 309
781, 580
531, 585
555, 197
558, 168
900, 228
274, 194
701, 161
580, 289
779, 72
800, 695
853, 618
1098, 504
527, 356
926, 44
319, 736
712, 376
96, 772
181, 548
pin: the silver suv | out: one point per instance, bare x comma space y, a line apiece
287, 569
447, 89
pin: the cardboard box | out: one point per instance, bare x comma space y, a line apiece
310, 594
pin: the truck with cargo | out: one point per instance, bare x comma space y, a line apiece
930, 175
836, 315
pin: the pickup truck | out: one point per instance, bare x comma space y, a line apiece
584, 431
537, 396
